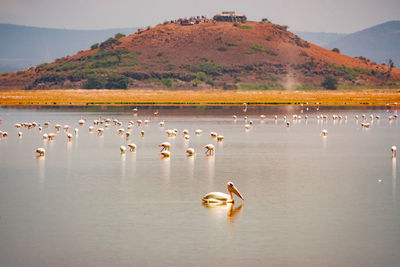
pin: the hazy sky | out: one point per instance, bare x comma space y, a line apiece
307, 15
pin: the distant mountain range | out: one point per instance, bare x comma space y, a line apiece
22, 47
378, 43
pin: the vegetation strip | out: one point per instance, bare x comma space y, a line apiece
199, 97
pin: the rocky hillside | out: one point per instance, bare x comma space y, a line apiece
221, 54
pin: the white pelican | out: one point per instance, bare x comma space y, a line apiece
142, 133
41, 151
220, 138
210, 149
122, 149
165, 146
190, 151
394, 149
132, 146
139, 122
222, 198
165, 154
324, 133
69, 136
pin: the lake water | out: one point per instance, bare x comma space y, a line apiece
309, 200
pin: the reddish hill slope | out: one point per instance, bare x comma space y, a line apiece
203, 55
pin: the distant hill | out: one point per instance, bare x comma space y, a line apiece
320, 38
378, 43
22, 46
205, 54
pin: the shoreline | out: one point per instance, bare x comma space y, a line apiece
83, 97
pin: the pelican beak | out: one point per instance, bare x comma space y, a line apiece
234, 190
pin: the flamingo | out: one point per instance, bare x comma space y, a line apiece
213, 134
165, 146
132, 146
91, 129
51, 136
122, 149
222, 198
41, 151
19, 134
324, 132
394, 149
142, 133
190, 151
198, 132
69, 136
220, 138
100, 131
209, 149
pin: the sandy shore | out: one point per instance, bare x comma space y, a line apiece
192, 97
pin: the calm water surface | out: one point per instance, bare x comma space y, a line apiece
309, 200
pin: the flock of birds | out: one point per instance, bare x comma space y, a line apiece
100, 124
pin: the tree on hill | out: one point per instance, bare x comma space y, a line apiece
330, 83
336, 50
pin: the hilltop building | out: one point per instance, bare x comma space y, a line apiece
230, 16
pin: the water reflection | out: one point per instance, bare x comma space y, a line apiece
123, 165
166, 169
211, 166
229, 210
394, 179
41, 160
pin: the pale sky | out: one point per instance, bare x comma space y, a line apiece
344, 16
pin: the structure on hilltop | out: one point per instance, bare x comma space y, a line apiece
230, 16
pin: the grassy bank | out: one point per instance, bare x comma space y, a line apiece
198, 97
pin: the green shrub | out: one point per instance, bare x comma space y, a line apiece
208, 68
336, 50
246, 27
119, 35
231, 44
330, 83
167, 82
5, 74
95, 82
116, 81
94, 46
255, 48
222, 49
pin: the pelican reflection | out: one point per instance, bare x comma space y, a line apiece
218, 209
